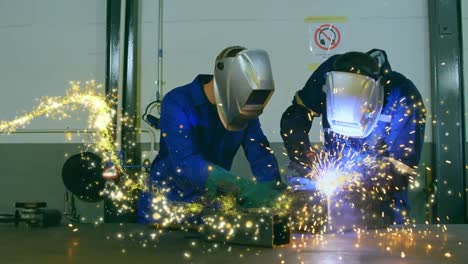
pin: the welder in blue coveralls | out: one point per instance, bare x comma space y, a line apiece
204, 123
365, 106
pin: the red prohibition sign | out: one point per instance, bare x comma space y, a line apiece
327, 33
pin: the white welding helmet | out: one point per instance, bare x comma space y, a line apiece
243, 85
354, 96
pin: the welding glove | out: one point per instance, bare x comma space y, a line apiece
249, 193
399, 191
298, 169
223, 182
261, 194
300, 183
298, 174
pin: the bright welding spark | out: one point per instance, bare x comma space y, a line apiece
336, 172
357, 177
100, 120
330, 180
100, 114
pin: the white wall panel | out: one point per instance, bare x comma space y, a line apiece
45, 44
195, 31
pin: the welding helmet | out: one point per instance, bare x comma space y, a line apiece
243, 85
354, 94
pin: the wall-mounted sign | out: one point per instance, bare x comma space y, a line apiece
327, 35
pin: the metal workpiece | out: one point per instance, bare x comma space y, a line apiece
250, 228
315, 213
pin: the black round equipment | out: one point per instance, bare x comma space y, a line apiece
82, 176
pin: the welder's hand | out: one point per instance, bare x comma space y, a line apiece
397, 174
299, 183
223, 182
261, 194
398, 190
298, 169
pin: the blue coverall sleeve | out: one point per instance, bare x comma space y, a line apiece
259, 154
296, 121
311, 95
406, 137
184, 153
404, 144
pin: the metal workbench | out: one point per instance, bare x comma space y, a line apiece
132, 243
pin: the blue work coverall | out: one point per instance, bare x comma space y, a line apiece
399, 133
194, 139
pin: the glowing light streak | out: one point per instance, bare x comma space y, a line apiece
76, 98
100, 119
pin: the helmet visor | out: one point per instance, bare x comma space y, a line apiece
354, 103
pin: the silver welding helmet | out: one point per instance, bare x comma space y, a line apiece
354, 96
243, 85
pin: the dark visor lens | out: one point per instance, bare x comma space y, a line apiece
258, 97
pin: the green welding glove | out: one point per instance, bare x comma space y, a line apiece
261, 194
223, 182
250, 194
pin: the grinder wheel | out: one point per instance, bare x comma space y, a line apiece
82, 176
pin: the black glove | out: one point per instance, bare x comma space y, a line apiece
300, 169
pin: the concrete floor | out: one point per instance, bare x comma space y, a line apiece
132, 243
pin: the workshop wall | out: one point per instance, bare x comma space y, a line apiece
196, 31
44, 45
43, 49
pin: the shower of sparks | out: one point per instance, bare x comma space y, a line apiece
89, 97
331, 180
350, 186
221, 214
347, 183
333, 173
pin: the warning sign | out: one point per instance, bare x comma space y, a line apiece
327, 37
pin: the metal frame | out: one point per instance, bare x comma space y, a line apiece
448, 109
129, 131
112, 53
130, 84
113, 11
